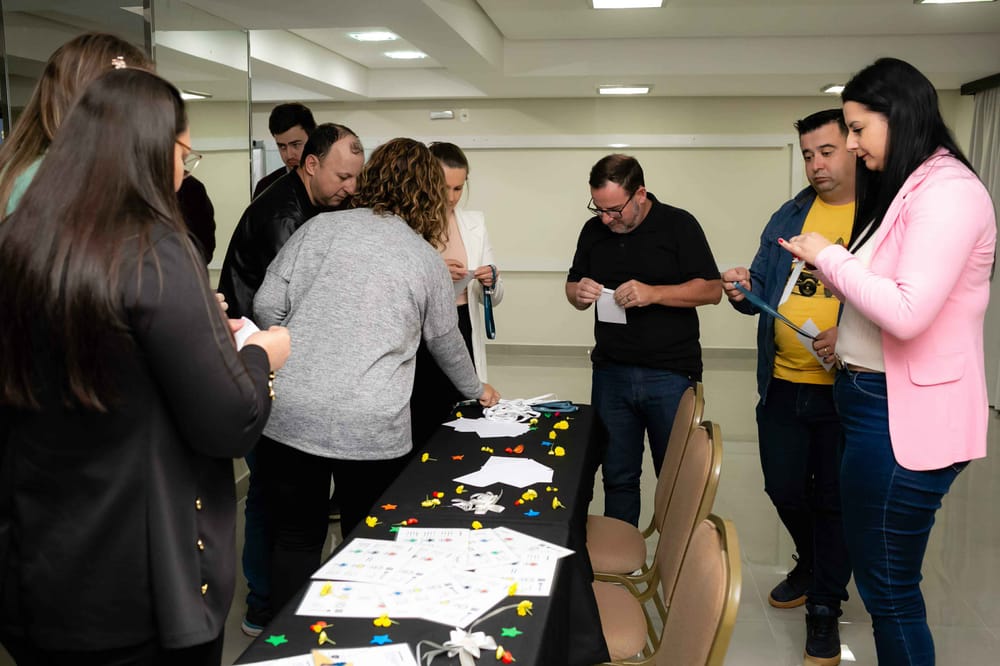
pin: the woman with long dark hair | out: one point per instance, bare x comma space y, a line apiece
122, 399
912, 388
358, 289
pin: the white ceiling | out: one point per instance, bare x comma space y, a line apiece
552, 48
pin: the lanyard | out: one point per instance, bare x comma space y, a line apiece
761, 305
491, 327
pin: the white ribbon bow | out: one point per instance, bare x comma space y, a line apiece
481, 503
467, 646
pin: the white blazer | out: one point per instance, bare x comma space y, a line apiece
472, 227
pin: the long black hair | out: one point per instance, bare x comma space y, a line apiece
107, 179
907, 99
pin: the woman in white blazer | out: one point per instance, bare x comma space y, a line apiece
468, 249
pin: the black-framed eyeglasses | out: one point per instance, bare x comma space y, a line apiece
613, 213
191, 160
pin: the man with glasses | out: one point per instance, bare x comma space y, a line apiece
651, 260
798, 429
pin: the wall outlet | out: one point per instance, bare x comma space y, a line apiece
463, 115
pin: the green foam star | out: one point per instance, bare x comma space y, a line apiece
510, 632
276, 640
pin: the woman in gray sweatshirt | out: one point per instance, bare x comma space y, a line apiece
357, 290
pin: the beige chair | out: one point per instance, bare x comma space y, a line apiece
618, 547
693, 496
699, 624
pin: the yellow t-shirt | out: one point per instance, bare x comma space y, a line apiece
810, 299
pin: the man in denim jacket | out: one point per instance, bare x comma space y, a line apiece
798, 428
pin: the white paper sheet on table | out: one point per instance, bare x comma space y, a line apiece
529, 546
534, 579
399, 654
517, 472
365, 560
486, 428
453, 598
343, 599
608, 310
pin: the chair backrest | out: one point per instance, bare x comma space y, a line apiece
689, 413
700, 623
690, 503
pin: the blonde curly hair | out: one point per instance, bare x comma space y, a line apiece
403, 178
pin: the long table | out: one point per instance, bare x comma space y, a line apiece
564, 628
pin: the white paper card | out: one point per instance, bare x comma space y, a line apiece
248, 329
460, 285
811, 328
607, 310
399, 654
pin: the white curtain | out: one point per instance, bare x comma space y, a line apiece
984, 153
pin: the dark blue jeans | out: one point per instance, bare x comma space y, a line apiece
630, 402
256, 543
888, 515
801, 444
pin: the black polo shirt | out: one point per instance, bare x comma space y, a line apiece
668, 247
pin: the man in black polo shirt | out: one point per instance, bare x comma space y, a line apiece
657, 261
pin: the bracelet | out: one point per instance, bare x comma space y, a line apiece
270, 385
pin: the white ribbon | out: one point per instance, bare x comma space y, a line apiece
515, 410
481, 503
467, 646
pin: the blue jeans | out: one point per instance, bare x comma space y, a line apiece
256, 543
888, 515
800, 451
631, 401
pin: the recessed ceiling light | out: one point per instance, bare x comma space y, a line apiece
194, 94
947, 2
624, 90
374, 36
405, 55
625, 4
618, 145
833, 88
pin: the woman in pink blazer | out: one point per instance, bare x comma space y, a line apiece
912, 389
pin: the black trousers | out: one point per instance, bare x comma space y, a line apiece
296, 488
145, 654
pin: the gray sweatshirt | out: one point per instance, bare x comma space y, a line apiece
357, 291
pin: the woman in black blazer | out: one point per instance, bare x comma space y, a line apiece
123, 398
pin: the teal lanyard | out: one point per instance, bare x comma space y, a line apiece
491, 327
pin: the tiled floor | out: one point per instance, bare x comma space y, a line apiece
961, 570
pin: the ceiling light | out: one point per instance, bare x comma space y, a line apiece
625, 4
194, 94
947, 2
833, 88
624, 90
405, 55
618, 145
374, 36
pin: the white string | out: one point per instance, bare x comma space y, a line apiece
518, 410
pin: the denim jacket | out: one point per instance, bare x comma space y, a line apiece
768, 275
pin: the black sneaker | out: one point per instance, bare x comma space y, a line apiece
822, 635
791, 592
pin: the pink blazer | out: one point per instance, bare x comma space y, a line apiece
927, 289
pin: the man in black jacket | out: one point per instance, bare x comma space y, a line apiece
324, 180
290, 125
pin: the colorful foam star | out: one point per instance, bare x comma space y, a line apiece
524, 608
319, 626
394, 529
380, 639
458, 457
372, 521
531, 513
276, 639
389, 507
511, 632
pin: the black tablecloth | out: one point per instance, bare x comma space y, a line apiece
564, 628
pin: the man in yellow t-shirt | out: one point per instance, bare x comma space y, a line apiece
798, 429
